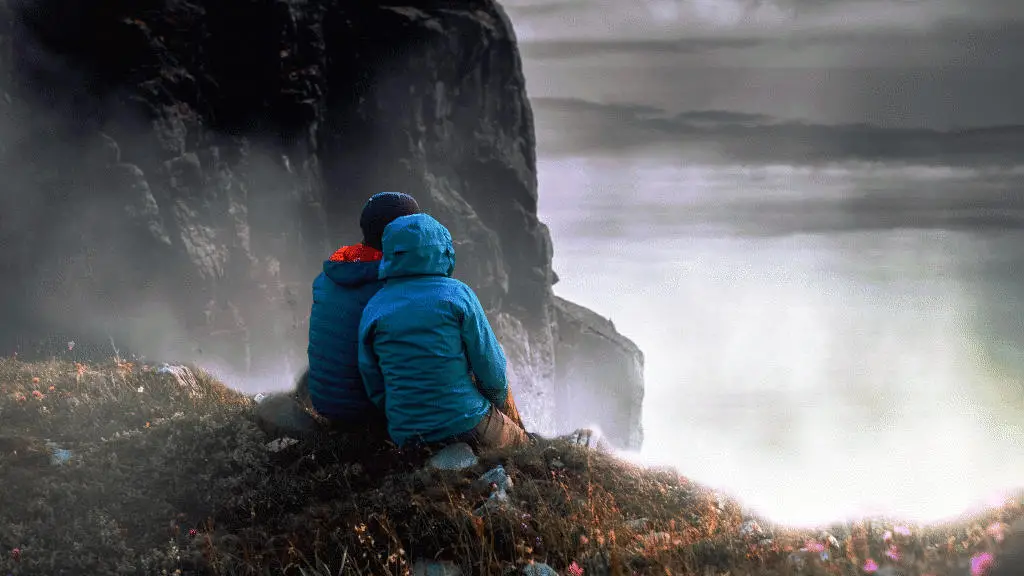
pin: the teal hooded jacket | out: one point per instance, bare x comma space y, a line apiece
423, 334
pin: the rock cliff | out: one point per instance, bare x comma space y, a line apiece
175, 171
599, 374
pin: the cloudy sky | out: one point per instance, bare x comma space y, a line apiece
827, 194
621, 72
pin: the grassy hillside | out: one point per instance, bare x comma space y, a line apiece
168, 475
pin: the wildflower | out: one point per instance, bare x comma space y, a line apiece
997, 530
816, 547
870, 566
893, 553
574, 569
886, 536
52, 388
71, 345
35, 379
16, 554
981, 564
192, 532
140, 389
37, 394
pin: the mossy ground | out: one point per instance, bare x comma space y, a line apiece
168, 478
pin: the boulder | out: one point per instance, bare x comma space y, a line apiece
599, 376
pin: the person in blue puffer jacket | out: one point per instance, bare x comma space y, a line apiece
332, 386
427, 354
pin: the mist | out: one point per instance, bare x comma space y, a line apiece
817, 361
123, 241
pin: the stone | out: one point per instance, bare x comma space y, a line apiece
58, 456
281, 415
498, 484
455, 456
499, 480
279, 444
590, 438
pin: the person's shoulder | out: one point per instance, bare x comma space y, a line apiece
455, 282
461, 294
456, 286
374, 304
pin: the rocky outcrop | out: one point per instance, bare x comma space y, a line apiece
599, 376
175, 171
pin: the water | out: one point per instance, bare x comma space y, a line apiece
821, 343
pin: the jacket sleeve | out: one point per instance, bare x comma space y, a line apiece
485, 355
369, 368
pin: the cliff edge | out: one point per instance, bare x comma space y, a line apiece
176, 171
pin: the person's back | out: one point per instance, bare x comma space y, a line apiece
423, 336
332, 385
348, 281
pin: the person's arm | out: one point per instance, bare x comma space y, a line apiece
484, 352
369, 367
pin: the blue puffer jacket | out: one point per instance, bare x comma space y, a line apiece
340, 293
423, 335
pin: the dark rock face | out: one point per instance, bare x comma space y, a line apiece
175, 171
599, 375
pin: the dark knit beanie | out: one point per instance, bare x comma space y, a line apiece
380, 210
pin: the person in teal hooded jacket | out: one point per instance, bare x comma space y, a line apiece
427, 354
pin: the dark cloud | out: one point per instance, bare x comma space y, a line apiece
543, 8
990, 44
562, 49
985, 203
573, 126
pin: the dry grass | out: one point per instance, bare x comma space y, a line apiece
173, 479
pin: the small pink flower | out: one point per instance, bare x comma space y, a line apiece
816, 547
981, 564
870, 566
997, 530
574, 569
16, 554
37, 394
887, 536
192, 532
893, 553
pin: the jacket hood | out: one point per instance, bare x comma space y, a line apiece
417, 245
352, 274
